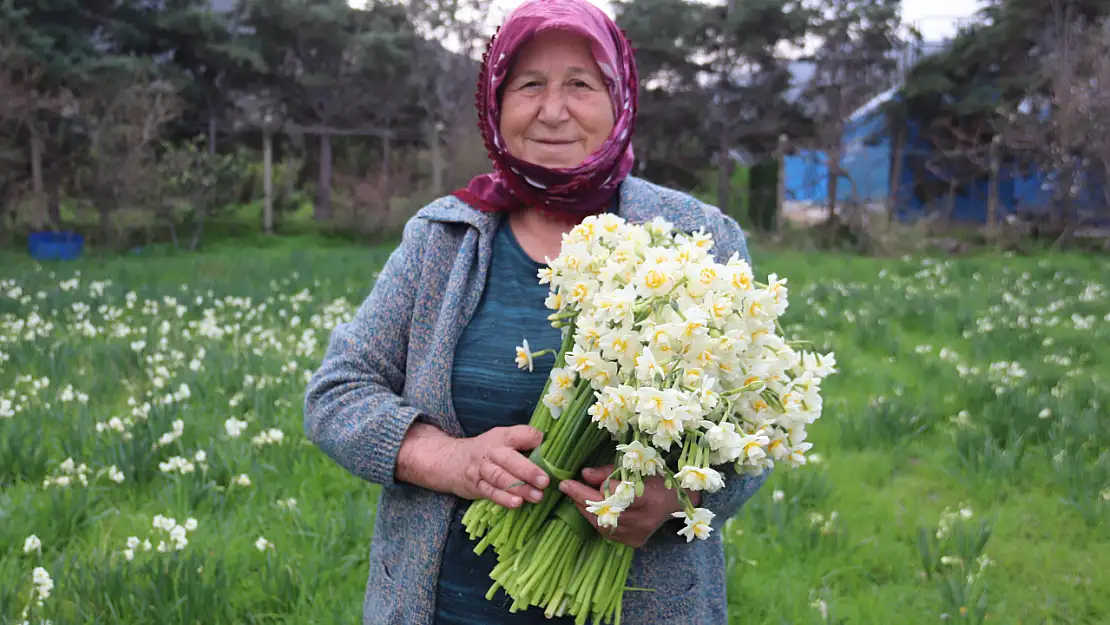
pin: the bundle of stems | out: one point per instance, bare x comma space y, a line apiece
562, 455
567, 567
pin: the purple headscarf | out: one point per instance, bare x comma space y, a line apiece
567, 193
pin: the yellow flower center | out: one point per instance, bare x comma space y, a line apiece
655, 279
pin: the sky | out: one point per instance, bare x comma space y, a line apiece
935, 18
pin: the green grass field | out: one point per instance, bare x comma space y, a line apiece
174, 384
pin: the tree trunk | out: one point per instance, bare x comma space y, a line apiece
724, 171
832, 183
173, 229
895, 178
951, 209
387, 155
39, 218
54, 195
105, 223
54, 200
992, 191
197, 232
385, 176
212, 130
323, 185
290, 169
268, 182
437, 158
780, 185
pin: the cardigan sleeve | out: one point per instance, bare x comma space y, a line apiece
353, 409
728, 238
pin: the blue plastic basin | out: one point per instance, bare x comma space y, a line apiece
55, 245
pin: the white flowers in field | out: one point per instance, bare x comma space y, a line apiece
172, 536
272, 436
43, 585
234, 427
113, 473
171, 437
684, 356
177, 464
114, 424
32, 544
262, 544
41, 582
178, 533
69, 394
949, 517
68, 473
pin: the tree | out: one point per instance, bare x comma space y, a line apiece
671, 139
724, 60
204, 180
19, 102
747, 48
1062, 125
62, 43
339, 67
207, 49
122, 121
442, 78
855, 60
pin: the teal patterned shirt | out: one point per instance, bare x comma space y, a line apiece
490, 391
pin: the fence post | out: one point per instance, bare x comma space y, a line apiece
992, 190
780, 186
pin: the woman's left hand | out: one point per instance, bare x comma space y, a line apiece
637, 524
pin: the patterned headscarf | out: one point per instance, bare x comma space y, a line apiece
567, 193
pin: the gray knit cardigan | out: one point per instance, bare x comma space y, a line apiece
391, 366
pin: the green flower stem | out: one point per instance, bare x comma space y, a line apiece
581, 568
561, 438
557, 541
603, 591
557, 604
570, 314
589, 587
628, 554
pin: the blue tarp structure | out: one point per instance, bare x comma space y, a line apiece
869, 161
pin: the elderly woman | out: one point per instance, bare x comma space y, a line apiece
420, 393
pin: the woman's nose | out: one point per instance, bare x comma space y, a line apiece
553, 109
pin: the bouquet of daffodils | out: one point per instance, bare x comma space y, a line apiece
672, 365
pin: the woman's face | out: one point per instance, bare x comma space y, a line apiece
555, 108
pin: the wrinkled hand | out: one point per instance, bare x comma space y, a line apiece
641, 520
490, 466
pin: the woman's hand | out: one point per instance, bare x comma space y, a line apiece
487, 466
490, 466
641, 520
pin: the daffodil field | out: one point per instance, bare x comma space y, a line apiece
153, 467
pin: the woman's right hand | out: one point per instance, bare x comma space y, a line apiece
491, 466
487, 466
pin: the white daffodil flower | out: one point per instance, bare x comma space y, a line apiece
697, 523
